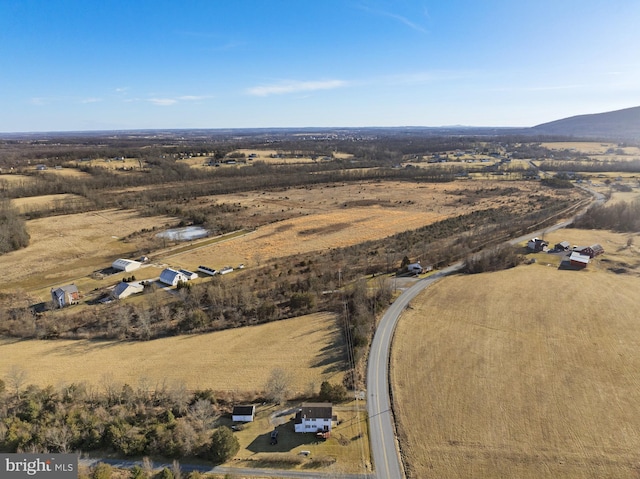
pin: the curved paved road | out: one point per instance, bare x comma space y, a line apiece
382, 434
384, 449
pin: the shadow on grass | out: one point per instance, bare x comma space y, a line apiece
566, 265
288, 440
332, 358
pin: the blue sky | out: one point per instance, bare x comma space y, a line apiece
112, 64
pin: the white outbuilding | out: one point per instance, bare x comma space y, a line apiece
243, 413
172, 277
124, 290
126, 265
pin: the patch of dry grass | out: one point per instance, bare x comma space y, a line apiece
66, 172
16, 180
70, 246
319, 218
309, 348
37, 203
528, 373
589, 147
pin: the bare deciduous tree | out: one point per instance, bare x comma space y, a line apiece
278, 384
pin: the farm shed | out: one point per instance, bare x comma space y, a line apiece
207, 270
579, 260
243, 413
190, 275
126, 265
590, 251
314, 417
536, 245
562, 246
65, 295
172, 277
123, 290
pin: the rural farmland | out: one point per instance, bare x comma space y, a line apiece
236, 360
537, 379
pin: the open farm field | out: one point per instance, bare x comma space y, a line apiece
14, 181
528, 373
320, 218
624, 197
287, 221
309, 348
110, 164
590, 147
65, 173
67, 247
37, 203
315, 232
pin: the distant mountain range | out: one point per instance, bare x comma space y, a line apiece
619, 124
613, 125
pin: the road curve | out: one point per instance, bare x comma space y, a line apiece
384, 449
382, 435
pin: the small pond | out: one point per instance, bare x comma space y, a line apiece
187, 233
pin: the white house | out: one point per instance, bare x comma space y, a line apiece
415, 268
124, 290
126, 265
314, 417
172, 277
243, 413
65, 295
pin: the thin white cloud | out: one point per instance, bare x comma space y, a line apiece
91, 100
121, 89
284, 88
192, 97
39, 101
399, 18
163, 101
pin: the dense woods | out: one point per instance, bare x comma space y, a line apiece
13, 230
163, 420
621, 217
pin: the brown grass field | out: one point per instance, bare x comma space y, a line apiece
36, 203
309, 348
12, 180
527, 373
66, 172
620, 197
320, 218
72, 246
589, 147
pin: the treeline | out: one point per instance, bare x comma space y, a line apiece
621, 217
592, 166
13, 230
285, 287
164, 420
495, 259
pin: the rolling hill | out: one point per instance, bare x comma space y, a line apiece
619, 124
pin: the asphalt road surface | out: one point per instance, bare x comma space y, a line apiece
387, 463
386, 460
